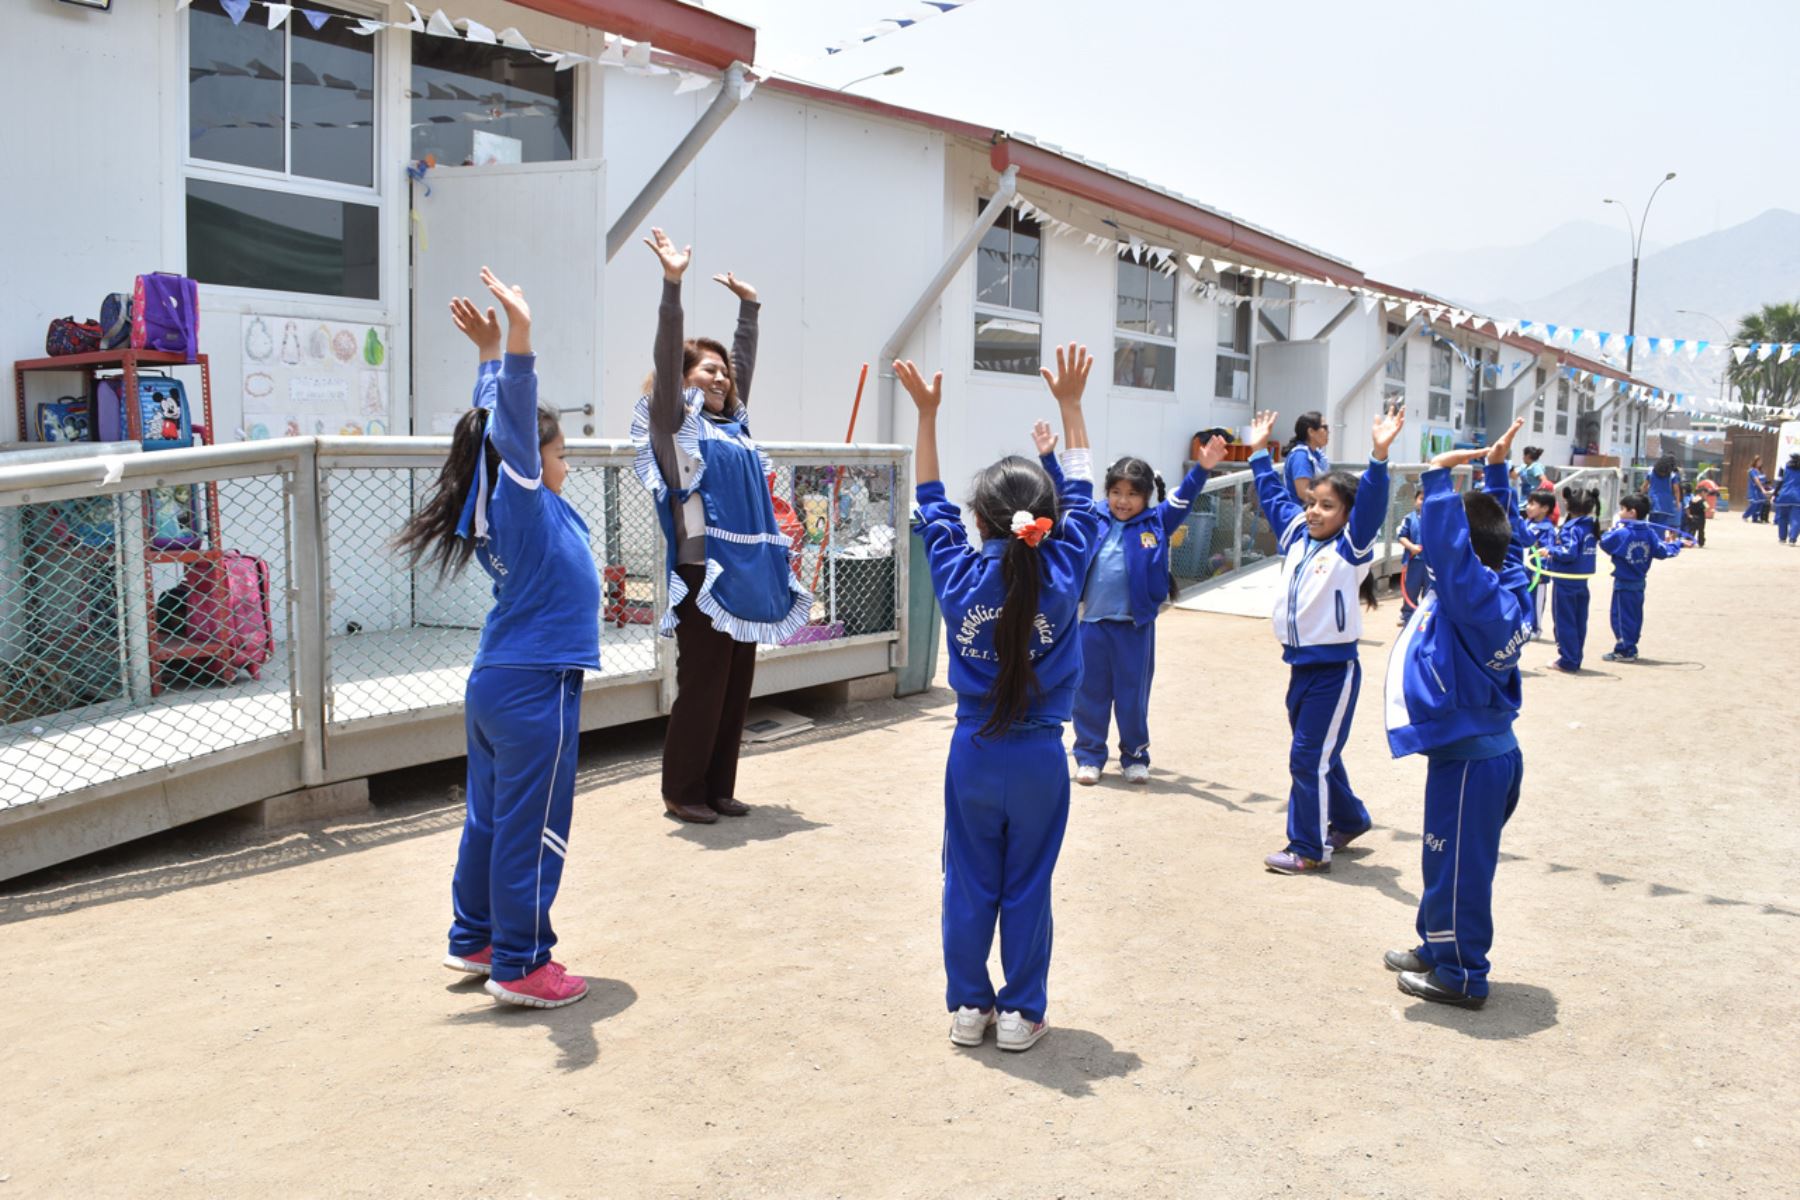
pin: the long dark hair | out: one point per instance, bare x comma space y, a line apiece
1665, 466
1304, 424
1343, 485
430, 536
1139, 475
1013, 485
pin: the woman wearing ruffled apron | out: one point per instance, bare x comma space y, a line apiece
731, 578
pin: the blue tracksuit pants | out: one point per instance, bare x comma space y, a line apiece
523, 729
1787, 522
1570, 604
1627, 619
1540, 596
1467, 801
1006, 804
1118, 660
1321, 701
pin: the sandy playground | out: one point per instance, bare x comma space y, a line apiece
226, 1012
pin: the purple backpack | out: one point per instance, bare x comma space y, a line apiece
165, 315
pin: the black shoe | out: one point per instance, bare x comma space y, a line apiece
729, 807
1425, 986
1404, 960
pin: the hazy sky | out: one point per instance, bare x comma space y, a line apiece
1372, 131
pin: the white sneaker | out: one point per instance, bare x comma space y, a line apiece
1137, 773
1016, 1033
1087, 776
969, 1025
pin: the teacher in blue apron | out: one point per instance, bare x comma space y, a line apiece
732, 585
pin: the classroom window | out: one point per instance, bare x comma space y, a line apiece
1231, 366
1144, 325
1396, 365
1008, 325
1438, 397
1279, 317
1537, 403
1475, 402
474, 103
1562, 407
281, 192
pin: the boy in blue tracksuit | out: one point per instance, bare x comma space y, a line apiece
1328, 551
1010, 613
1634, 544
1571, 557
1787, 503
1415, 572
1539, 534
1453, 691
1123, 595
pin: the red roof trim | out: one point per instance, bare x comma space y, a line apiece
681, 29
878, 108
1091, 183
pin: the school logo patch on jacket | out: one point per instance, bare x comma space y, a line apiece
1147, 539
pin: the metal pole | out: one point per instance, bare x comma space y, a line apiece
308, 606
731, 94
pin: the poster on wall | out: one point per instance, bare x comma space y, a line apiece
306, 377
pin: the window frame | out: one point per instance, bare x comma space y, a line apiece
375, 195
980, 308
1443, 396
1141, 258
1243, 325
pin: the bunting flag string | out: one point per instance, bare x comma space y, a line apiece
923, 10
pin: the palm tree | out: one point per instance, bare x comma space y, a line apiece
1770, 383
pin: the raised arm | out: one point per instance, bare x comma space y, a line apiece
1370, 509
1467, 589
1278, 507
1081, 516
516, 409
666, 408
484, 330
926, 397
1174, 510
743, 342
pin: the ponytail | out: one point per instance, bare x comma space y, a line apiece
1304, 424
1010, 486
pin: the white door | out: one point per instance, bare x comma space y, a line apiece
539, 225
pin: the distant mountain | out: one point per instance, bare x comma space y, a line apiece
1559, 258
1725, 274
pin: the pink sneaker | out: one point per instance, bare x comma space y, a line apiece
550, 986
479, 963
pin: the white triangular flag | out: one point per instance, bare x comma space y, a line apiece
638, 55
278, 13
1220, 265
417, 24
690, 82
1195, 263
614, 54
1369, 303
569, 60
367, 28
440, 25
475, 31
1787, 352
515, 40
1764, 351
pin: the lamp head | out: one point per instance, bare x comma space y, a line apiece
1668, 177
896, 70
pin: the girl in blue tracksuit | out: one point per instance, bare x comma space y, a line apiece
498, 500
1453, 692
1305, 463
1125, 589
1415, 573
1757, 508
1328, 549
1540, 533
1634, 544
1665, 493
1787, 503
1572, 558
1010, 612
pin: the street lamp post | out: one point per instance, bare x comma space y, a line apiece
1637, 246
895, 70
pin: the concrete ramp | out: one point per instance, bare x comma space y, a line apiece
1250, 592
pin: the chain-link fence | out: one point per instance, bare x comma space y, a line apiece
140, 628
210, 599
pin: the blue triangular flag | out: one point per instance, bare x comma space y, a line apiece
902, 22
235, 9
1524, 326
1604, 338
1551, 330
944, 5
1630, 339
1655, 345
313, 17
1700, 347
1575, 335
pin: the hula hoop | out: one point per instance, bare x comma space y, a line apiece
1534, 555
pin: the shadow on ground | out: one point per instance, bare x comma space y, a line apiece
570, 1029
1514, 1010
1067, 1060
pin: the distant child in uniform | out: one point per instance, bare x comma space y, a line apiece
1010, 613
1634, 544
1695, 524
499, 500
1124, 593
1415, 576
1328, 550
1453, 692
1787, 503
1540, 532
1572, 558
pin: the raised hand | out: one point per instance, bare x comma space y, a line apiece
1069, 381
1260, 429
739, 288
1044, 438
484, 331
925, 396
1387, 427
1456, 458
1501, 450
518, 313
1212, 453
674, 261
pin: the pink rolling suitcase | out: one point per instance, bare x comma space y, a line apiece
228, 605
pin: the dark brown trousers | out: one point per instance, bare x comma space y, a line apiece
713, 675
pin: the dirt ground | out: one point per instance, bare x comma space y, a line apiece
220, 1012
